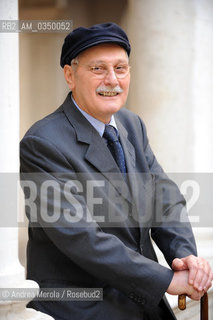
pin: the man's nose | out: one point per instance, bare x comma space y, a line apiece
110, 78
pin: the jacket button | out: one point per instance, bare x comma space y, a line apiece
131, 295
140, 300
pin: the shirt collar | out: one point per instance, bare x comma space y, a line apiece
97, 124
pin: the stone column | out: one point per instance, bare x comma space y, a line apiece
202, 97
162, 35
172, 90
12, 274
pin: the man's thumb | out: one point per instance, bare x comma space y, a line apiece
177, 264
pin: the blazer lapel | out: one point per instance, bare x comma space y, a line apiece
141, 183
129, 152
97, 154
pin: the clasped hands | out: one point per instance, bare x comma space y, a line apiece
192, 276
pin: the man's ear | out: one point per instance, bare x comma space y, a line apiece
69, 76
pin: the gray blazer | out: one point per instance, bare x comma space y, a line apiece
101, 227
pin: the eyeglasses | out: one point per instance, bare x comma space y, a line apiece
102, 70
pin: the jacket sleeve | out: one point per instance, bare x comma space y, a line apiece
171, 229
101, 254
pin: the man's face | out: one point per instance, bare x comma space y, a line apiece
100, 80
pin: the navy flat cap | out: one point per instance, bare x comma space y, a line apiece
82, 38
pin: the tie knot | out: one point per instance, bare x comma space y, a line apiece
110, 133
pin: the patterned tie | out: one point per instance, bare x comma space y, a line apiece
111, 135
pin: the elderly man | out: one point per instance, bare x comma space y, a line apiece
101, 195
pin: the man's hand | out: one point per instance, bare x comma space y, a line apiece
200, 274
180, 285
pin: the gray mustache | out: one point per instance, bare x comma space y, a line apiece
116, 89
